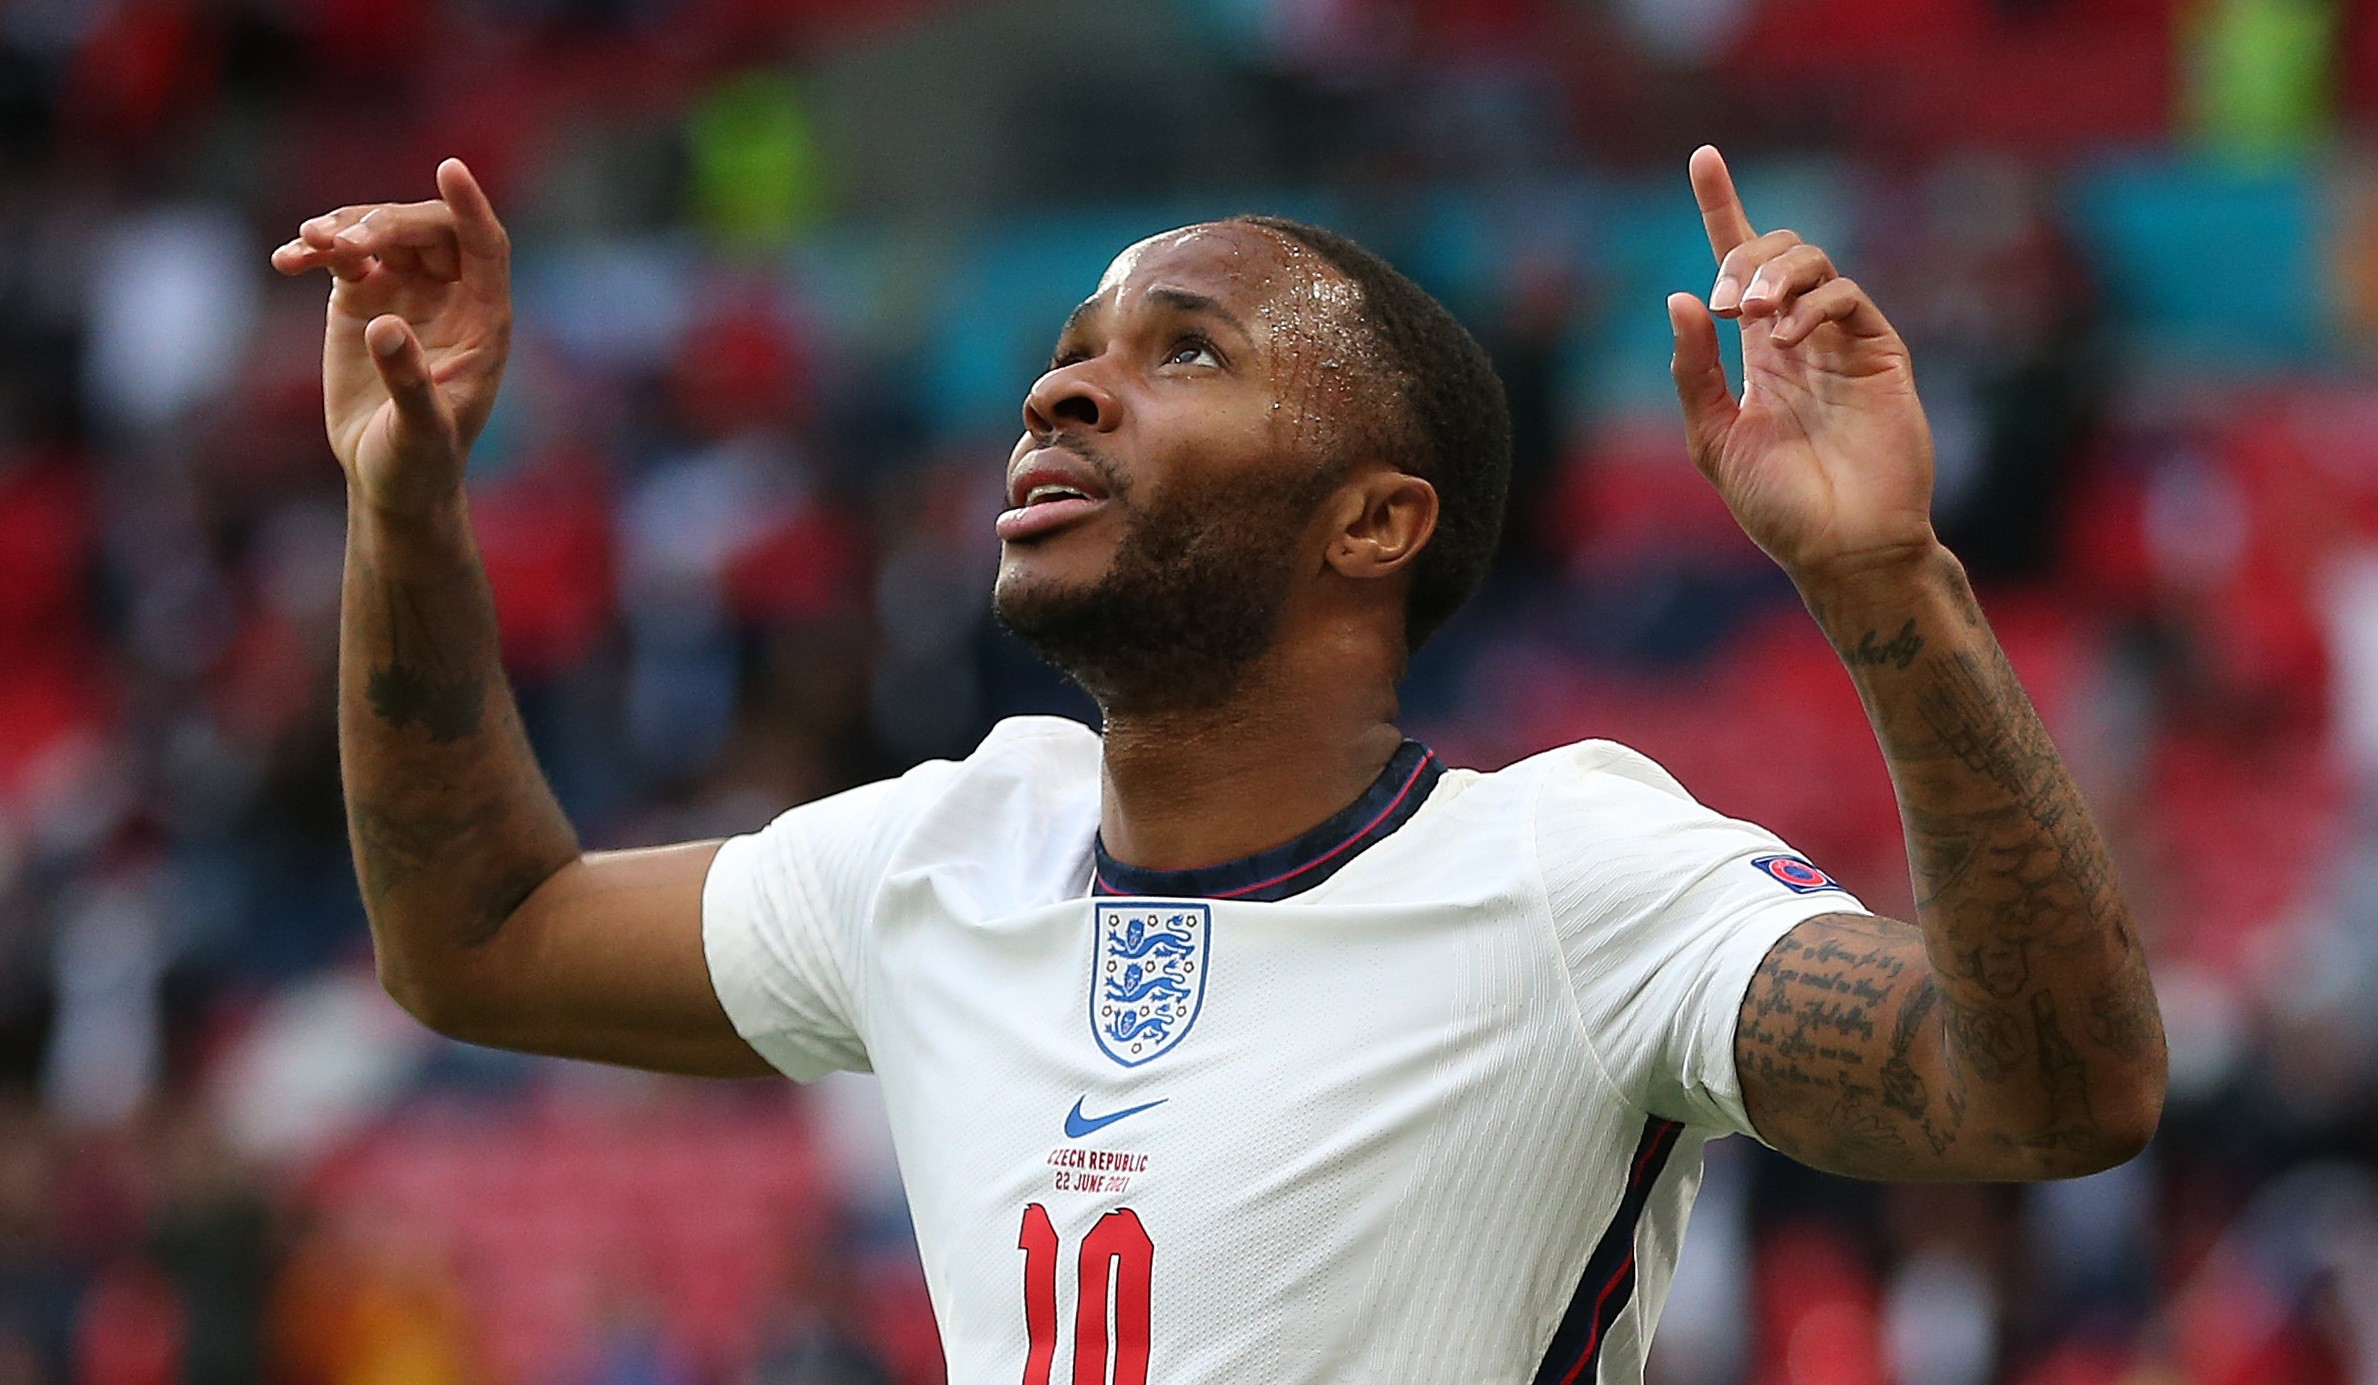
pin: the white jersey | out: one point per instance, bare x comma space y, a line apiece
1418, 1097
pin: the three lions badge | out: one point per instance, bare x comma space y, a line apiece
1148, 976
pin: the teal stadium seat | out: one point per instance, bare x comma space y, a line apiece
2207, 272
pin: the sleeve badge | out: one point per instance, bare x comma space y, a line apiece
1794, 874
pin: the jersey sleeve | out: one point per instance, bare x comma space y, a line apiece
785, 915
1664, 910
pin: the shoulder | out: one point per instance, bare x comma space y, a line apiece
1036, 746
1031, 777
1019, 811
1028, 766
1014, 815
1591, 778
1609, 822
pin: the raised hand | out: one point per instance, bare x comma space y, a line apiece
1826, 460
420, 321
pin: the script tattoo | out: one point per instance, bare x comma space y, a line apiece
1816, 1053
1899, 651
1870, 1047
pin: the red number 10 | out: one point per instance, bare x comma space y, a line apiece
1118, 1252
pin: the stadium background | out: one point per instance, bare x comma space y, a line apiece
785, 268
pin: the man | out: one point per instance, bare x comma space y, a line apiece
1244, 1041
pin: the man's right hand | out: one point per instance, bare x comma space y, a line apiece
420, 322
488, 921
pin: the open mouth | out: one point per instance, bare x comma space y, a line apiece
1046, 494
1053, 490
1046, 509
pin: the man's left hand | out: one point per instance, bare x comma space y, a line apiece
1826, 460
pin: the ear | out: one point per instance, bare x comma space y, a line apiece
1382, 519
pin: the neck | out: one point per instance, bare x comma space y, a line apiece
1298, 741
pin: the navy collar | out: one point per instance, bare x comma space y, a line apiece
1295, 866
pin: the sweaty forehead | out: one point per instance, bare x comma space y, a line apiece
1258, 273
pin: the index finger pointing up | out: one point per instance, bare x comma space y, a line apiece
1721, 207
478, 235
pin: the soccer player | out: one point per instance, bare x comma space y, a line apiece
1244, 1040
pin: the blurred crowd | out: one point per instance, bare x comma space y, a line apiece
784, 270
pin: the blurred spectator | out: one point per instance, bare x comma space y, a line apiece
2002, 314
173, 301
214, 1239
631, 1345
369, 1297
40, 1285
133, 1331
737, 485
105, 1058
1530, 346
811, 1333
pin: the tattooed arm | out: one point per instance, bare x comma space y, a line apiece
488, 922
2011, 1032
2014, 1035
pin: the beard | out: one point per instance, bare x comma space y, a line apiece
1192, 599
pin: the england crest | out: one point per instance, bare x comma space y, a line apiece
1147, 976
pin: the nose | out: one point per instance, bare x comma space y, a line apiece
1070, 397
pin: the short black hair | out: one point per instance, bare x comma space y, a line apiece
1455, 426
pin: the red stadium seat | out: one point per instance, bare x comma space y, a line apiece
554, 1213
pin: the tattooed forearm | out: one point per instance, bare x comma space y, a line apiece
1834, 1044
2063, 1078
396, 851
1815, 998
2122, 1014
451, 823
442, 691
1898, 651
1982, 1038
1977, 1071
1904, 1089
2040, 838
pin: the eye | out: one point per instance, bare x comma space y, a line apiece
1193, 350
1066, 357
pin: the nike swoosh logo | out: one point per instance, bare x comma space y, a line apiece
1077, 1125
